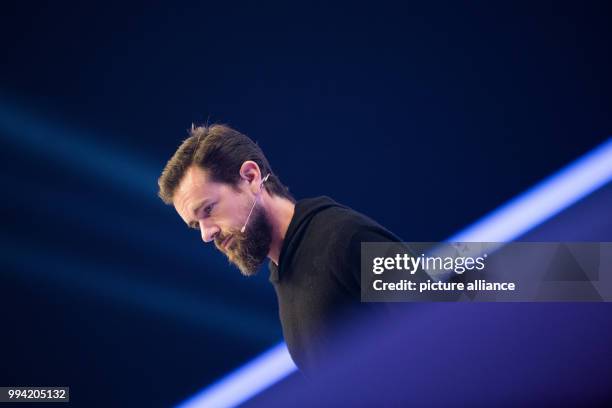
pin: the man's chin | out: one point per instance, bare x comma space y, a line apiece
246, 270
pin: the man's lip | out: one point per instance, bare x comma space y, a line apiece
224, 243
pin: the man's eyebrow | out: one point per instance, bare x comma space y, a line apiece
203, 203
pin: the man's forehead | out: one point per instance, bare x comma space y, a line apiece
195, 178
195, 186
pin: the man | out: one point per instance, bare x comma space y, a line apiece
220, 182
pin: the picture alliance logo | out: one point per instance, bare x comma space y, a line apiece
405, 262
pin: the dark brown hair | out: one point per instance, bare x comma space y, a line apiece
220, 150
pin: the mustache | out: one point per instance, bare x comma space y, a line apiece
220, 239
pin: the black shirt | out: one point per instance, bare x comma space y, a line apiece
318, 278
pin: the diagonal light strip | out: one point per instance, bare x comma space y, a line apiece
543, 201
79, 150
256, 375
518, 216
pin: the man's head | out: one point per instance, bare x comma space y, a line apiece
213, 180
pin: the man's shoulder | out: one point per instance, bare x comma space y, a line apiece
343, 230
346, 225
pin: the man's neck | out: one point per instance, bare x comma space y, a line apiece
280, 212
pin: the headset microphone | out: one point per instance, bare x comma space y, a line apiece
254, 202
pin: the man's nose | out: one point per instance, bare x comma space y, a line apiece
208, 232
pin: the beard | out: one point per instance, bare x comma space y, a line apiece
249, 250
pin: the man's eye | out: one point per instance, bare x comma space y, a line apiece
208, 209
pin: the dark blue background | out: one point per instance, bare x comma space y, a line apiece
423, 118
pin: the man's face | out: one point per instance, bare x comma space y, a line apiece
219, 211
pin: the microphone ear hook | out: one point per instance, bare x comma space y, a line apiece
264, 180
254, 202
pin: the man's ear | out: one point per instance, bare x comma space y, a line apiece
250, 172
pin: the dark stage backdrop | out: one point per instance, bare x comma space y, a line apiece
423, 119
